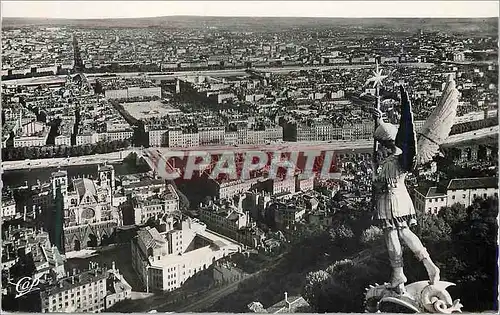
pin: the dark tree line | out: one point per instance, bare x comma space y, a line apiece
22, 153
462, 242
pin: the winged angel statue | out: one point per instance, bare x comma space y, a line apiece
405, 150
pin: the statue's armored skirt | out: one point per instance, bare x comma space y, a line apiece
394, 205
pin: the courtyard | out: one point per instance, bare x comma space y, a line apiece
151, 109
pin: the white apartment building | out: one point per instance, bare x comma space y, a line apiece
462, 190
164, 261
431, 202
211, 135
254, 137
466, 190
117, 135
224, 219
231, 138
283, 185
323, 131
148, 208
157, 138
85, 292
305, 133
274, 134
116, 130
87, 138
62, 140
179, 139
31, 141
8, 209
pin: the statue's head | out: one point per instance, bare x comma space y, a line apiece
385, 134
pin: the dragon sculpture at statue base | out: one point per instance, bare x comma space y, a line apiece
417, 297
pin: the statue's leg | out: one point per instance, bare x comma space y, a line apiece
398, 278
416, 246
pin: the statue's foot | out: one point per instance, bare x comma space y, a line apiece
398, 278
432, 270
399, 289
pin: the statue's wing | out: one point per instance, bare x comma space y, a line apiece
405, 138
438, 126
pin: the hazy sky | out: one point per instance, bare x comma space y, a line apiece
121, 9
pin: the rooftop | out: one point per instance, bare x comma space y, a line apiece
84, 186
150, 237
145, 183
193, 255
473, 183
292, 304
74, 281
434, 192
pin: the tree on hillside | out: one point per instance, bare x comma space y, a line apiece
341, 287
462, 242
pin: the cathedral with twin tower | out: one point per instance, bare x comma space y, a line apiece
84, 215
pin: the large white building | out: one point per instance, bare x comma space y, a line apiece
34, 140
116, 130
164, 261
461, 190
87, 137
63, 140
158, 137
125, 134
323, 131
211, 135
214, 136
179, 139
270, 134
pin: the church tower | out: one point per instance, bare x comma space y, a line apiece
106, 180
59, 179
106, 175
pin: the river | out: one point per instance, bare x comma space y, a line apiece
16, 178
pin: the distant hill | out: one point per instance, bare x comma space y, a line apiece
486, 25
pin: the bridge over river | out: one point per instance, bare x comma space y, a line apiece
465, 141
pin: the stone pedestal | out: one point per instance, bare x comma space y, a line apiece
418, 297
